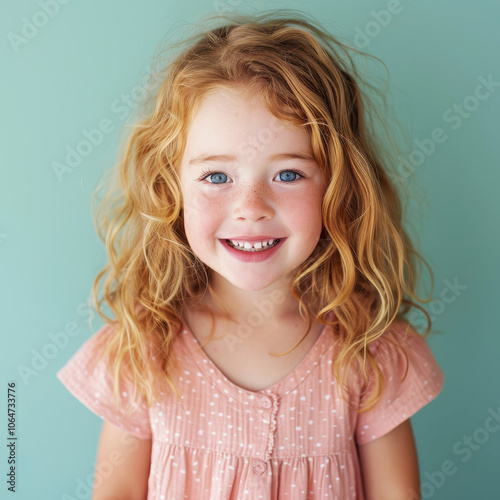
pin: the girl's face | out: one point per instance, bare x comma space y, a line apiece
253, 189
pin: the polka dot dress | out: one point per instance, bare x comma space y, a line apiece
295, 440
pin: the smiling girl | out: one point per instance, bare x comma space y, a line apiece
260, 275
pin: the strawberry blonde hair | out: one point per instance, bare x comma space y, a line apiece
362, 275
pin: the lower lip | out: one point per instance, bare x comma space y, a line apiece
253, 256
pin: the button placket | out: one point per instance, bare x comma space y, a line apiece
269, 402
266, 402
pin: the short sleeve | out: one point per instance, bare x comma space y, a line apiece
399, 400
92, 384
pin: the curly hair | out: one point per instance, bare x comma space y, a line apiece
362, 275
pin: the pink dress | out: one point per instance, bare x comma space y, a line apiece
294, 440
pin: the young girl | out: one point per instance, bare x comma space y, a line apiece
260, 275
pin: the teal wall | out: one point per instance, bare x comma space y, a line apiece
70, 74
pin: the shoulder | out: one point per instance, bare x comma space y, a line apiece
400, 341
88, 377
411, 378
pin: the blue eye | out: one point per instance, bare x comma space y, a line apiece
208, 173
290, 171
287, 180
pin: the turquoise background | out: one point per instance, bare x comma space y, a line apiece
68, 77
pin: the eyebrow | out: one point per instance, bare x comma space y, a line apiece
276, 157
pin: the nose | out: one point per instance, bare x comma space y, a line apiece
252, 204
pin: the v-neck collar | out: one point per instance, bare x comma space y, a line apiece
306, 365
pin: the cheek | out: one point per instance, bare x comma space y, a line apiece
304, 215
202, 214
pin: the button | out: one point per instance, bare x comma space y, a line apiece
259, 467
266, 402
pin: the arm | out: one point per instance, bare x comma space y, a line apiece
390, 465
122, 466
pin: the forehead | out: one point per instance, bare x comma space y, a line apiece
230, 119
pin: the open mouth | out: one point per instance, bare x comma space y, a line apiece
250, 250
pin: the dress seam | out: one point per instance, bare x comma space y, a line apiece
182, 446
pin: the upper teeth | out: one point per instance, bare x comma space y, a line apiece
247, 245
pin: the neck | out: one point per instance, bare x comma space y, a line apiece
273, 304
